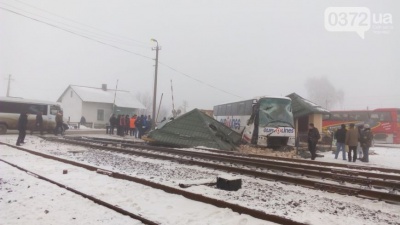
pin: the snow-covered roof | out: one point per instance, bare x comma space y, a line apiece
122, 99
302, 106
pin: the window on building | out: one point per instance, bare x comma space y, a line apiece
72, 93
100, 114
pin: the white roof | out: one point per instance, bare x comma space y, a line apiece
23, 100
122, 98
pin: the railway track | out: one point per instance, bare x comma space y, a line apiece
264, 157
389, 196
355, 177
95, 200
189, 195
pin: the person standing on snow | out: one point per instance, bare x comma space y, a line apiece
313, 137
352, 136
359, 148
366, 142
340, 136
22, 124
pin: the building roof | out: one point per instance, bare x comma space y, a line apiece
123, 99
302, 106
194, 129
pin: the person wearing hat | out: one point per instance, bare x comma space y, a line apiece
366, 142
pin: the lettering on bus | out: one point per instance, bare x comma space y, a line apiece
231, 123
282, 130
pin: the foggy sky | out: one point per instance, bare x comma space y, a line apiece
248, 48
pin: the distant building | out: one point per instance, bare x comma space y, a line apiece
96, 104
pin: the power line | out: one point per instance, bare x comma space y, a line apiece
119, 48
75, 33
197, 80
86, 32
83, 24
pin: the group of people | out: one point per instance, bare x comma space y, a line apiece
134, 126
358, 141
23, 125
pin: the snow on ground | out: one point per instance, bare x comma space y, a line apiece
28, 200
153, 204
297, 203
381, 157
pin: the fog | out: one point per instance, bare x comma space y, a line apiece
219, 51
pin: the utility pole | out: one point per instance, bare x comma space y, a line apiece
157, 48
9, 84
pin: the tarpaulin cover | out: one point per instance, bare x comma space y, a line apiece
194, 129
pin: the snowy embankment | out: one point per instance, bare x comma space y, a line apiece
297, 203
152, 204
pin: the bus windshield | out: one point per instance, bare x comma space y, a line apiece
275, 112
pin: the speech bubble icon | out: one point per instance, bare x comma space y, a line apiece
348, 19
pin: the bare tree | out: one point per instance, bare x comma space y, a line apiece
321, 91
146, 99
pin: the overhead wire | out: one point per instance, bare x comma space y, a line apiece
86, 25
116, 47
86, 32
75, 33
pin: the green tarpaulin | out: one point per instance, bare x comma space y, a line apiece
193, 129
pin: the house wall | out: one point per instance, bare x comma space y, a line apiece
317, 120
89, 111
72, 106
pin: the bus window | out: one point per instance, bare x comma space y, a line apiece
326, 117
358, 116
248, 107
222, 110
54, 109
228, 110
381, 117
215, 111
241, 108
398, 116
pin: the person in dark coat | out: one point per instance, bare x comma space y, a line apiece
83, 121
366, 142
340, 136
113, 123
313, 137
38, 124
127, 123
138, 125
22, 124
122, 125
59, 124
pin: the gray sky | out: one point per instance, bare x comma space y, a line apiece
248, 48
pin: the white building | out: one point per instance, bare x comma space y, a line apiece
96, 104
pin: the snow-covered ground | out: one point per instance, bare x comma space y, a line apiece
151, 203
297, 203
28, 200
379, 156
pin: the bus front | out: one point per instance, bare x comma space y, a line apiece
271, 124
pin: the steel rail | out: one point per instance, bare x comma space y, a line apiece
323, 172
189, 195
358, 192
274, 158
96, 200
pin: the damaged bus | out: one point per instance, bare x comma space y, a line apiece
264, 121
